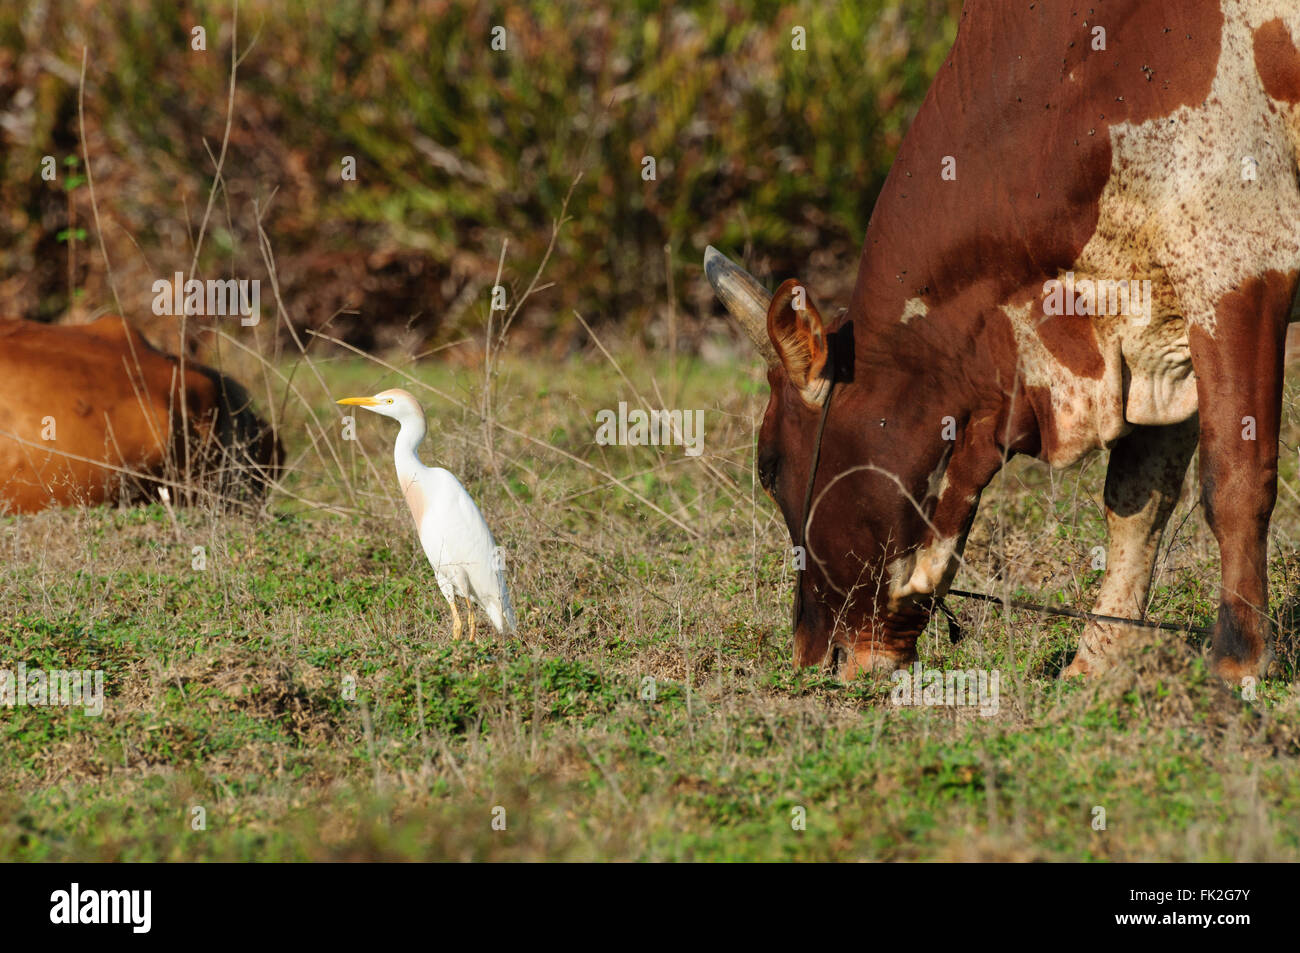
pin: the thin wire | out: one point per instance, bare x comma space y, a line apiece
1080, 614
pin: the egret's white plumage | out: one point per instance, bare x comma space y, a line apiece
452, 531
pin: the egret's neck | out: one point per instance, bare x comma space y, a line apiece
405, 450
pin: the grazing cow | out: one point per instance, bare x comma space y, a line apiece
1063, 148
84, 408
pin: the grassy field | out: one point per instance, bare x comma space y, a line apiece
281, 683
227, 687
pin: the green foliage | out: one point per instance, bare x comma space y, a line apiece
459, 148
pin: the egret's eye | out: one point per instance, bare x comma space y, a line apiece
390, 400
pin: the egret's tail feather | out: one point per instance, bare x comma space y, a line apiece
502, 614
511, 623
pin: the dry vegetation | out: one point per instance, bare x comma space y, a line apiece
457, 149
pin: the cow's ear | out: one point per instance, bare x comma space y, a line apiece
799, 337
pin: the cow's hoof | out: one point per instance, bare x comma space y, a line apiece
1235, 671
1084, 666
872, 659
1076, 669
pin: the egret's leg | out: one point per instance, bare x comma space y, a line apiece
455, 620
469, 606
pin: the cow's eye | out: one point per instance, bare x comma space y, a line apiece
768, 464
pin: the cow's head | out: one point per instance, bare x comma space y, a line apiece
874, 557
231, 450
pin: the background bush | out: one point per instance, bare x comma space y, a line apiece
458, 148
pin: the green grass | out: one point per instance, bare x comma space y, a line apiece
228, 688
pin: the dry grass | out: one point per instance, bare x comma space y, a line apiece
226, 687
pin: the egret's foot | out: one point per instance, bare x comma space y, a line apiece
455, 622
472, 621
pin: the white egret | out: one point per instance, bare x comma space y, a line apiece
452, 531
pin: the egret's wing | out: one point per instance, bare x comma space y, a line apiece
456, 537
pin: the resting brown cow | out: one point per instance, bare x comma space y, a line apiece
89, 412
1064, 154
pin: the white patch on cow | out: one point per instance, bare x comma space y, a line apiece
913, 308
930, 567
1176, 212
1147, 380
900, 572
936, 484
1087, 412
1177, 208
1161, 385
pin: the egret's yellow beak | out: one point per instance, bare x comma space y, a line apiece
359, 401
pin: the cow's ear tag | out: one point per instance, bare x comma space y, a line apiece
799, 336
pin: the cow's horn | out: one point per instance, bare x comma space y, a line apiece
743, 296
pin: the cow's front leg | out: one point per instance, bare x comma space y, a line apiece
1143, 480
1238, 366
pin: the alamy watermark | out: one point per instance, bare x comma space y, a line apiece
1098, 296
958, 688
133, 908
38, 687
216, 297
651, 428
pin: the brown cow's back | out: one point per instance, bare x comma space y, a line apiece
81, 404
